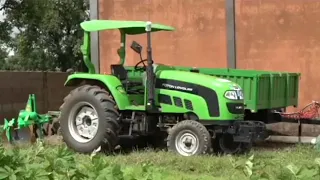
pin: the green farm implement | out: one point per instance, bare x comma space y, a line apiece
193, 113
29, 118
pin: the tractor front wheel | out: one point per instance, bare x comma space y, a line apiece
89, 120
189, 138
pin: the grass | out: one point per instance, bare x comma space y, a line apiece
219, 167
271, 164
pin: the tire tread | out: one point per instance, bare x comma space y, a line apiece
110, 113
187, 124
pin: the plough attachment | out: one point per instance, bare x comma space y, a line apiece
309, 112
29, 117
307, 115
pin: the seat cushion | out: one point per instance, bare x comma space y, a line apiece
119, 71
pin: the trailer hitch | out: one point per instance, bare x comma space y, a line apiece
249, 131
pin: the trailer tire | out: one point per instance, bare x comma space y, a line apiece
222, 144
185, 131
101, 108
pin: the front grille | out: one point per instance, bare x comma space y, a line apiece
235, 108
188, 104
177, 101
165, 99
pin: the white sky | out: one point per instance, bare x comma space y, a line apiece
1, 18
1, 15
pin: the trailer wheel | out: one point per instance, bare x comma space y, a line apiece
189, 138
224, 144
89, 120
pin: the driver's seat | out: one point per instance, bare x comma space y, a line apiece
121, 73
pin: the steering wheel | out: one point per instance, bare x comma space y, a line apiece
144, 67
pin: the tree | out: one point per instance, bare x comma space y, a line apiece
48, 33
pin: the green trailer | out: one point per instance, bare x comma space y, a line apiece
262, 89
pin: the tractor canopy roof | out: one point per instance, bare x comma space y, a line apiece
128, 27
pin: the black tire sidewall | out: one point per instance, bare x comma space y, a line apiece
99, 138
241, 148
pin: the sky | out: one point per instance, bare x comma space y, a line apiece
1, 18
1, 12
1, 15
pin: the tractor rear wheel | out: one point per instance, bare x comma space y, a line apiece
89, 120
189, 138
223, 143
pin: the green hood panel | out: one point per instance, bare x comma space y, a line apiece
205, 93
216, 83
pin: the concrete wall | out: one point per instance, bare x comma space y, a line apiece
200, 36
16, 86
281, 36
271, 35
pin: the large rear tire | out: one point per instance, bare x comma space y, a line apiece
189, 138
89, 120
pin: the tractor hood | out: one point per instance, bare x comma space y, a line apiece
191, 79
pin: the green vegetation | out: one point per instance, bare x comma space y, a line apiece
43, 161
41, 34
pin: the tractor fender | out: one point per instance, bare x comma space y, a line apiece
111, 83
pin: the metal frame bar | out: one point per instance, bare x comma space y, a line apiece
231, 34
94, 36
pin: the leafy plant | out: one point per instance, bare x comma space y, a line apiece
42, 161
255, 169
305, 172
251, 168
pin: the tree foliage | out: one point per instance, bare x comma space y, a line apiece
45, 34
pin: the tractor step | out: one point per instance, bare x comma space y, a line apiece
136, 107
54, 113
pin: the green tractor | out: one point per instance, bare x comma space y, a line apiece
191, 113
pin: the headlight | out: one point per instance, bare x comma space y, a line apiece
234, 95
231, 95
240, 94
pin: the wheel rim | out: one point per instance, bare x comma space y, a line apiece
83, 122
187, 143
